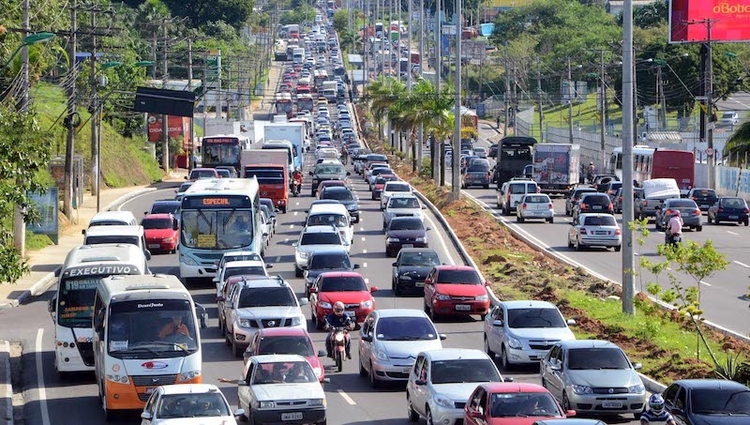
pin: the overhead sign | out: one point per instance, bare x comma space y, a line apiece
161, 101
690, 20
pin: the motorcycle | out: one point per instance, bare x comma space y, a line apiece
296, 186
339, 337
672, 240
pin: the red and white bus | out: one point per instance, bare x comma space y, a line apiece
653, 163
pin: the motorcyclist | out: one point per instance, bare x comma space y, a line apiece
337, 319
656, 412
590, 172
345, 155
297, 179
674, 227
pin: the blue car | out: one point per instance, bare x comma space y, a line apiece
729, 209
708, 401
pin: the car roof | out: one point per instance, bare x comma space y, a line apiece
330, 249
400, 312
454, 267
584, 189
268, 282
397, 182
518, 304
403, 195
166, 201
455, 354
109, 215
340, 274
709, 384
588, 343
514, 387
320, 229
278, 358
190, 389
594, 194
244, 263
585, 215
283, 331
158, 216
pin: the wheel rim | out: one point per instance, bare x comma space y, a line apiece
566, 402
429, 417
372, 375
504, 359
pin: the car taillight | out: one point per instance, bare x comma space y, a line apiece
618, 232
746, 210
693, 198
584, 206
550, 205
644, 203
610, 207
697, 211
582, 231
524, 205
669, 212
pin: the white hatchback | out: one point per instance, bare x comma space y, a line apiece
186, 403
392, 187
535, 206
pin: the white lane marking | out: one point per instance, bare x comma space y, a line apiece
705, 283
363, 238
442, 241
364, 251
669, 268
732, 233
362, 229
364, 264
367, 280
295, 213
291, 226
286, 240
40, 378
346, 397
741, 264
278, 259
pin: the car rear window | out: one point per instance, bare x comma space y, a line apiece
518, 189
682, 203
537, 199
597, 199
599, 221
734, 203
321, 239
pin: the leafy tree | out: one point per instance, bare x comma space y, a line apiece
200, 12
24, 153
341, 20
302, 14
739, 143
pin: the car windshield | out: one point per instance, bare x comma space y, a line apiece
201, 405
165, 208
518, 189
523, 405
405, 329
339, 195
728, 401
469, 277
330, 261
327, 238
96, 240
202, 174
458, 371
520, 318
184, 187
478, 168
599, 221
579, 193
403, 203
406, 224
284, 372
247, 271
401, 187
156, 223
285, 345
329, 169
342, 284
267, 297
419, 259
338, 220
597, 358
537, 199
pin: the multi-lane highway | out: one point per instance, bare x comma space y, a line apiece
50, 400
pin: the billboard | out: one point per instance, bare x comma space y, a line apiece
690, 20
177, 127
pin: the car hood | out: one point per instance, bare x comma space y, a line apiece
406, 233
460, 290
414, 270
521, 420
551, 334
313, 273
211, 420
158, 233
604, 378
268, 312
412, 211
408, 349
459, 392
301, 391
351, 204
718, 419
346, 297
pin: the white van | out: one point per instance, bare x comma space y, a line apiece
133, 235
512, 191
113, 218
332, 214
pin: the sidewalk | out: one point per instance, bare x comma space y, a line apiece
45, 262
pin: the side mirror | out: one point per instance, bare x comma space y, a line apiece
637, 366
395, 264
294, 244
310, 173
424, 207
148, 254
475, 414
570, 413
420, 382
242, 383
356, 266
487, 283
146, 416
175, 225
443, 337
348, 173
428, 281
239, 412
200, 311
51, 304
507, 379
497, 323
269, 266
186, 177
374, 289
677, 412
428, 228
145, 213
83, 232
366, 338
555, 367
215, 279
326, 380
570, 322
321, 353
304, 301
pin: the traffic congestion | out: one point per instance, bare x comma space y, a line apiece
299, 280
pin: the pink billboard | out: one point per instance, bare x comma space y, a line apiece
690, 20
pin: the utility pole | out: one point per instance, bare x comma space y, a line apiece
439, 172
154, 48
662, 101
603, 120
192, 115
709, 81
95, 115
164, 117
420, 131
539, 99
507, 94
571, 91
71, 112
456, 182
628, 86
19, 226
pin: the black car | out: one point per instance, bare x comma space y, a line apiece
729, 209
164, 206
493, 151
593, 203
345, 196
708, 401
405, 232
411, 268
574, 196
703, 197
326, 260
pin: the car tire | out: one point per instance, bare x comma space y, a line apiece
551, 220
236, 349
506, 211
362, 370
486, 186
565, 402
374, 382
504, 363
297, 271
428, 417
717, 221
227, 339
618, 248
487, 348
410, 413
577, 245
699, 228
570, 244
519, 219
396, 290
747, 222
657, 225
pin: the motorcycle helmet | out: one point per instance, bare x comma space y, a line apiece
656, 404
677, 213
338, 307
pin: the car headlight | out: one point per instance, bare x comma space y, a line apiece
186, 376
636, 389
120, 379
168, 240
444, 401
244, 323
189, 261
351, 207
514, 343
392, 240
367, 304
297, 321
442, 297
317, 402
582, 389
421, 239
323, 304
304, 255
380, 354
265, 405
481, 298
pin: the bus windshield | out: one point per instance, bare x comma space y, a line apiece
217, 229
142, 329
76, 301
225, 153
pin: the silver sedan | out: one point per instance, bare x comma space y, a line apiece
535, 206
589, 230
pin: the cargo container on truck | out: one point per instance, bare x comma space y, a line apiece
270, 167
330, 90
294, 132
556, 166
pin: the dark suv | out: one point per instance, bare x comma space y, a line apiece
593, 203
703, 197
345, 196
574, 196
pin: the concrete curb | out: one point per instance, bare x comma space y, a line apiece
42, 285
6, 388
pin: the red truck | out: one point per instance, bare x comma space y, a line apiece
269, 166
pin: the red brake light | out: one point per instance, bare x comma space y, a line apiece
693, 198
669, 212
618, 232
746, 210
524, 205
697, 211
551, 206
644, 203
583, 206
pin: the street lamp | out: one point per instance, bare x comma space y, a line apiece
39, 37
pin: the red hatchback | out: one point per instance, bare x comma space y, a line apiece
286, 341
511, 404
455, 290
349, 288
162, 232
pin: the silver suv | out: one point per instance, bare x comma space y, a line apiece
512, 191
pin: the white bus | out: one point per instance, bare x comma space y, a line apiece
72, 308
146, 334
217, 216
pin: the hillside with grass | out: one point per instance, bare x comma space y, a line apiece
124, 162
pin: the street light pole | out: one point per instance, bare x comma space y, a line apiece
19, 226
456, 171
628, 289
94, 123
71, 113
164, 117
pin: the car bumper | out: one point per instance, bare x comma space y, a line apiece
275, 416
530, 215
692, 221
160, 246
445, 415
732, 217
522, 356
397, 371
615, 404
411, 284
394, 247
607, 242
453, 307
476, 182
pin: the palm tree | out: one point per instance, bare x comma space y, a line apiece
739, 144
351, 40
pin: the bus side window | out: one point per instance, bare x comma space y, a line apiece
99, 316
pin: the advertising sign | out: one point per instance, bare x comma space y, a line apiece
176, 127
45, 205
690, 20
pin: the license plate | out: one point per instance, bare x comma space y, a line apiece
734, 217
596, 207
611, 404
154, 245
350, 313
407, 245
463, 307
419, 284
294, 416
406, 370
600, 233
704, 206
